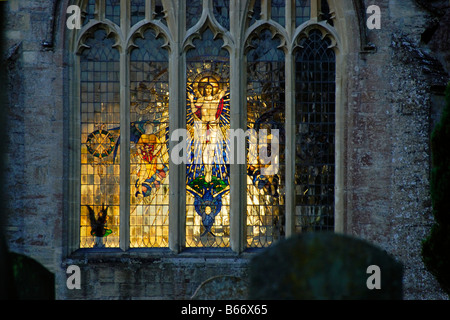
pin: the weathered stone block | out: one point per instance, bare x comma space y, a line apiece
222, 288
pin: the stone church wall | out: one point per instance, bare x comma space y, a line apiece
389, 96
388, 148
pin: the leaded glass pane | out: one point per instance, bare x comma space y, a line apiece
193, 12
112, 11
255, 12
137, 11
89, 11
278, 11
221, 10
208, 121
100, 160
265, 113
302, 11
315, 135
159, 14
149, 150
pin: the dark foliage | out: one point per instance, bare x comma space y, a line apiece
436, 247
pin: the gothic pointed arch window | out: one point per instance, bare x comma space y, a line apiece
100, 123
123, 97
265, 114
207, 122
149, 135
315, 88
251, 86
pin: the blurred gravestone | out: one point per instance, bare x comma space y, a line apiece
31, 279
222, 288
324, 266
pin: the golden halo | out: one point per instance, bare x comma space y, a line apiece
204, 79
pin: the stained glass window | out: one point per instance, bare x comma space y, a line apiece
265, 113
315, 115
222, 12
149, 133
137, 11
124, 183
208, 120
113, 11
255, 12
278, 11
193, 12
100, 124
89, 11
302, 11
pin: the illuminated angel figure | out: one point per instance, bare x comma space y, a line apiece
152, 170
208, 120
206, 111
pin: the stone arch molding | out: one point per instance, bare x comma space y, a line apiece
326, 30
274, 29
208, 20
91, 28
123, 42
140, 28
288, 41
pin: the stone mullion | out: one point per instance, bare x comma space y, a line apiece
124, 132
290, 145
149, 8
290, 122
75, 160
339, 190
177, 120
265, 9
238, 115
101, 9
290, 17
125, 17
124, 153
315, 9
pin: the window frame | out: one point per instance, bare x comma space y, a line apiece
177, 41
